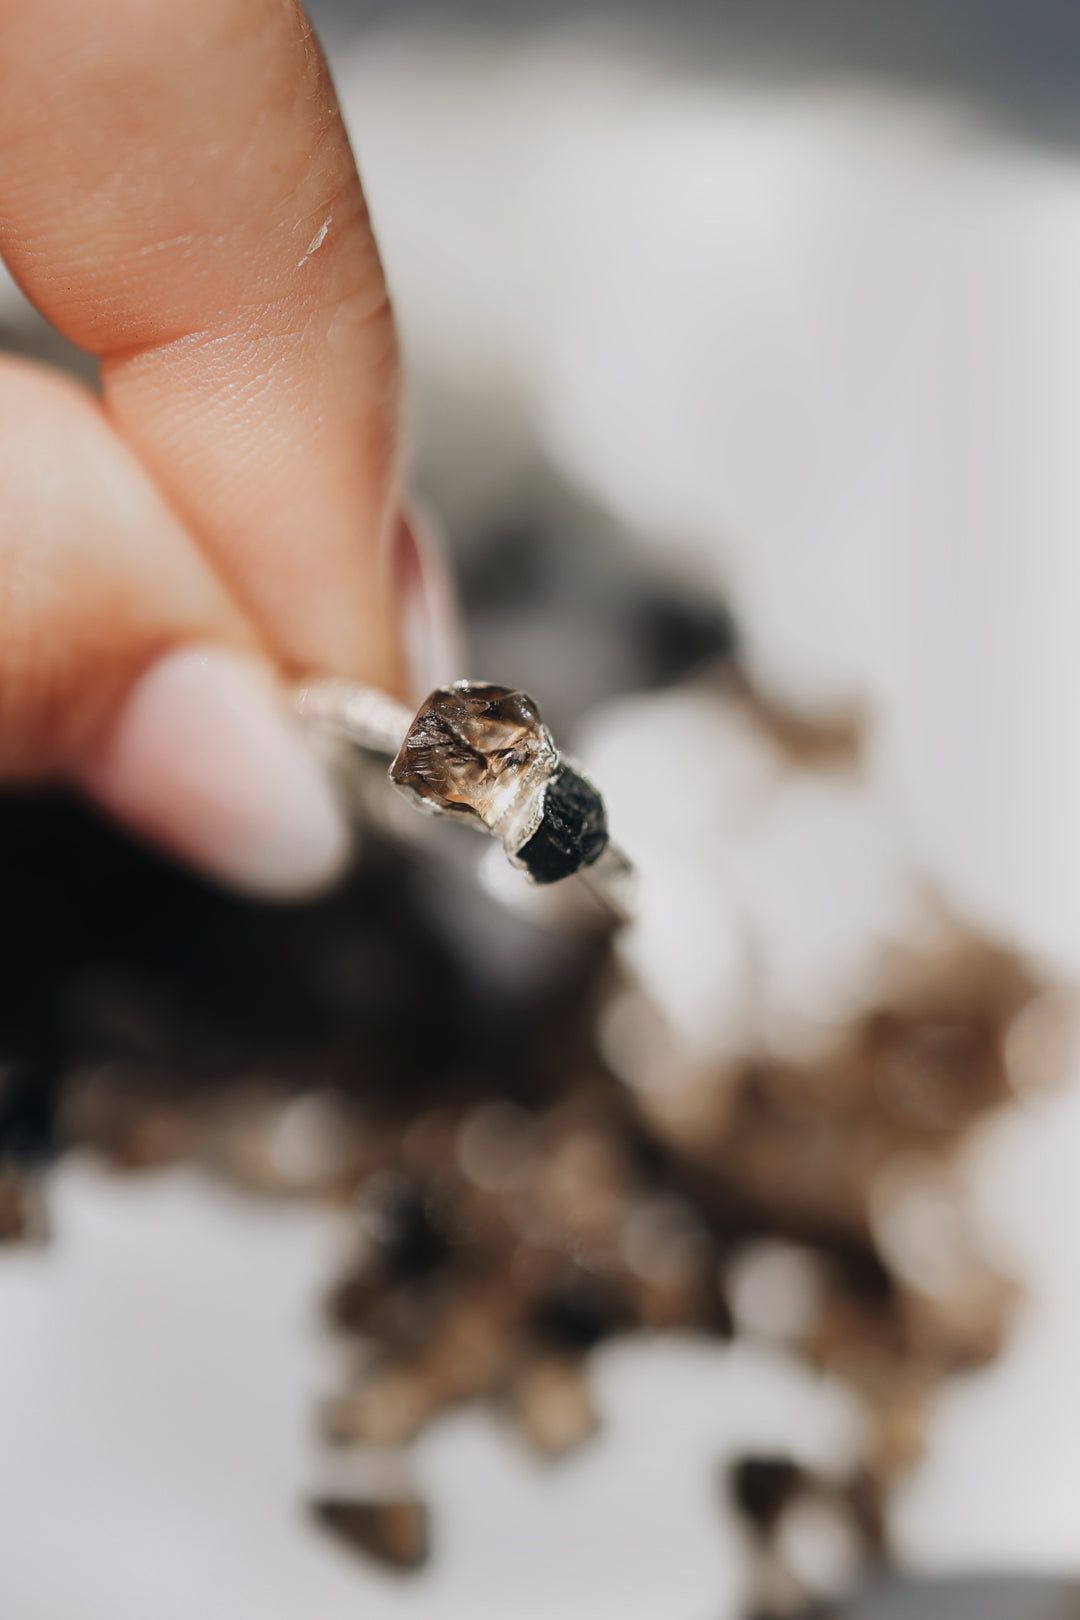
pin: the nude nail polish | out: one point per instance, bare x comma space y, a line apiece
204, 760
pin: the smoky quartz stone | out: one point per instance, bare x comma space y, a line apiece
472, 749
480, 750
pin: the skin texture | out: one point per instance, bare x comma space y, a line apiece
178, 196
97, 576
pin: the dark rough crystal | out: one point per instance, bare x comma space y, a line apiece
470, 748
395, 1533
572, 832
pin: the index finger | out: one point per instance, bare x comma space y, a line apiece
178, 196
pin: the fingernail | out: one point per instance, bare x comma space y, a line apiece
204, 761
431, 622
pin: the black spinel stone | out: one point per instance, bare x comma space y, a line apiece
572, 832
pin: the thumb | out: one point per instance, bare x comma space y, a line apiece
126, 668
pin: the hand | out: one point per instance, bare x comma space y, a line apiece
177, 196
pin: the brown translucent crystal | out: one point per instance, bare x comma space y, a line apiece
473, 748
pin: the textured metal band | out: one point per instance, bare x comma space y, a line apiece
365, 716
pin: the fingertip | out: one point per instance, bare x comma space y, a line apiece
204, 761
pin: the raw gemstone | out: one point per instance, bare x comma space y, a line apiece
483, 750
572, 832
472, 748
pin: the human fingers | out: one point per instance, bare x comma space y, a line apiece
177, 195
126, 668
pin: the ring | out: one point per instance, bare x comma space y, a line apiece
481, 753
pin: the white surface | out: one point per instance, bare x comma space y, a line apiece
769, 896
1000, 1486
160, 1367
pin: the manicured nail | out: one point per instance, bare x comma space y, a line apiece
204, 761
430, 620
